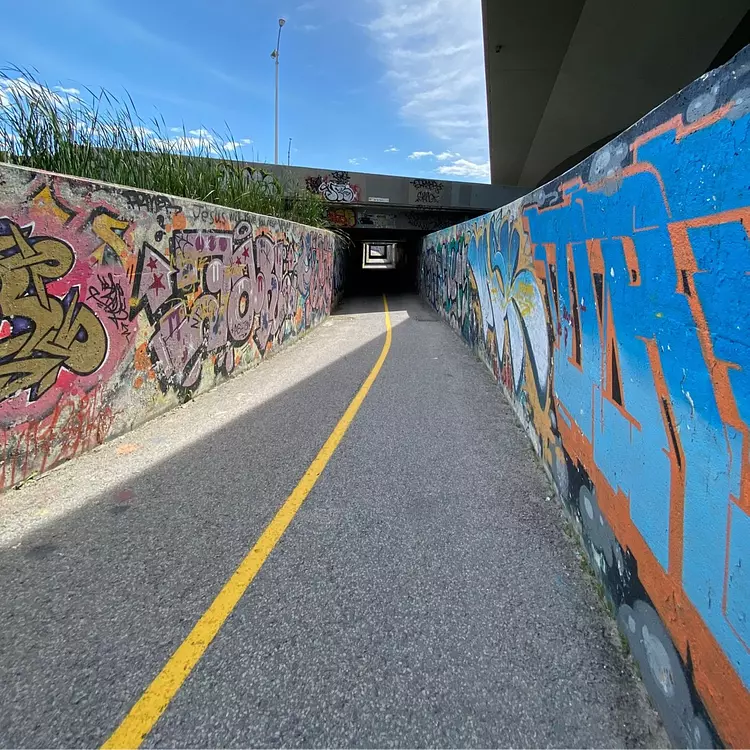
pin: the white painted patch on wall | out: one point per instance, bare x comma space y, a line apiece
658, 660
690, 400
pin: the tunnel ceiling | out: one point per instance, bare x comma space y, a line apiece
564, 75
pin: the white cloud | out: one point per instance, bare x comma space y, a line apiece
464, 168
234, 145
200, 140
443, 156
141, 132
13, 89
63, 90
183, 143
306, 6
309, 27
390, 150
433, 53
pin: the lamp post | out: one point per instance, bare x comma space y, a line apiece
275, 56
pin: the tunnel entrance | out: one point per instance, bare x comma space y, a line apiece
381, 261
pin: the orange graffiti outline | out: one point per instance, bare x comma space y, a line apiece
712, 669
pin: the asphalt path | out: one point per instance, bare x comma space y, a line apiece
424, 595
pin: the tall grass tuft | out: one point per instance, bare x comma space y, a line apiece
102, 137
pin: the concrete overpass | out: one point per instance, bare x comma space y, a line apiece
363, 203
563, 78
386, 216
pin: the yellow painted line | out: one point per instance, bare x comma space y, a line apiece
157, 696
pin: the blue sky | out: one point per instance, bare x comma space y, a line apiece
387, 86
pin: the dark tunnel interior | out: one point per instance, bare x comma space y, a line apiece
362, 282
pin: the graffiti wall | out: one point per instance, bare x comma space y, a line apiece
115, 305
335, 187
611, 306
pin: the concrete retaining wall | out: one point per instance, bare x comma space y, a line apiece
613, 306
117, 304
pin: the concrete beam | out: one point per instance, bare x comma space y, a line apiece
524, 46
625, 59
562, 76
377, 190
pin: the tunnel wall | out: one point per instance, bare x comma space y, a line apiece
116, 305
613, 307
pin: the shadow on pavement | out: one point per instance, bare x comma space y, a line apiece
94, 603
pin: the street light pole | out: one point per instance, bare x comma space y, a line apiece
275, 55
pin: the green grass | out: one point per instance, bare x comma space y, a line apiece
101, 137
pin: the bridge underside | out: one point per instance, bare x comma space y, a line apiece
563, 78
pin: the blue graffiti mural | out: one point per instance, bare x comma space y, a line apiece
613, 308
